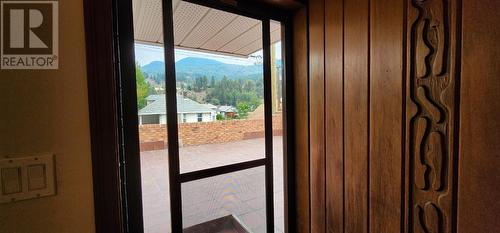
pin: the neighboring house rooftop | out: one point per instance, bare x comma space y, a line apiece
184, 105
225, 108
211, 106
155, 97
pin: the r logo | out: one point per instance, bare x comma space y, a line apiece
29, 33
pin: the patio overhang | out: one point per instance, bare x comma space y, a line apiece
199, 28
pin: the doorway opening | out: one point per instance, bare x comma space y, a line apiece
211, 116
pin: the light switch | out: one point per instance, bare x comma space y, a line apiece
37, 177
11, 180
28, 177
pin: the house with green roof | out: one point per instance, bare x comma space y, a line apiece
188, 110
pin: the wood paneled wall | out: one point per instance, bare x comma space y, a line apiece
301, 116
402, 100
479, 157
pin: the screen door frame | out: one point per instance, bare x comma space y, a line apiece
176, 177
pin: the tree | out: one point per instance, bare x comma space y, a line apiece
242, 109
250, 99
143, 87
204, 83
214, 101
249, 86
200, 83
232, 92
212, 82
219, 117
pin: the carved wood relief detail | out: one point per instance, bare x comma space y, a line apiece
431, 109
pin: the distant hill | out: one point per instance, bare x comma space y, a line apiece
155, 67
193, 67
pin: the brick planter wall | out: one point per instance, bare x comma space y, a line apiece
154, 137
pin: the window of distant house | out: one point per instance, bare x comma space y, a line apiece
150, 119
184, 118
200, 117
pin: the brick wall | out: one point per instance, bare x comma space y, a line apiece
154, 137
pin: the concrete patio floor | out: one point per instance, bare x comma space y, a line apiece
240, 193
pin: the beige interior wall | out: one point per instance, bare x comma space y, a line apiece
47, 111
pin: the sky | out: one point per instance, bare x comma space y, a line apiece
145, 54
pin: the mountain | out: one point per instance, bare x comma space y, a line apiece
192, 67
155, 67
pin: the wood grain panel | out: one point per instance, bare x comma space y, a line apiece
386, 111
395, 66
431, 114
316, 114
333, 115
356, 94
300, 111
479, 176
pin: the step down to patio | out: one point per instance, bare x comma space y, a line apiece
226, 224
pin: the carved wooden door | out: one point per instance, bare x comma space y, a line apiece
403, 116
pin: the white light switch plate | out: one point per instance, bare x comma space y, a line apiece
23, 178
